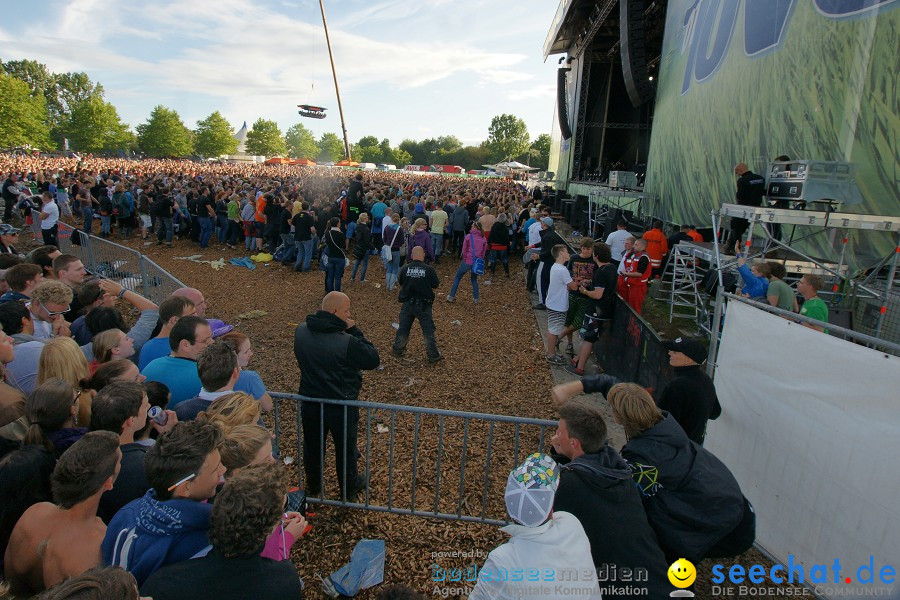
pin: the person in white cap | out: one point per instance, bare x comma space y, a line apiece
551, 544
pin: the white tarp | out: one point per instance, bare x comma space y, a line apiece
810, 427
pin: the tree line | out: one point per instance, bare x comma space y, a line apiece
57, 111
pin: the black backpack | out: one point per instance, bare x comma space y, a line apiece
710, 282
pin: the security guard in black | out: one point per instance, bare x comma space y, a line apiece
417, 284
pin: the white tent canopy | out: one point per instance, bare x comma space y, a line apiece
510, 165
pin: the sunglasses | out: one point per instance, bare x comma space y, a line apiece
53, 313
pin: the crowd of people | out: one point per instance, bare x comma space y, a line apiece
132, 451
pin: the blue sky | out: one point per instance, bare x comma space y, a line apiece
407, 68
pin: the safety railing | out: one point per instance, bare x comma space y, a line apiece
127, 266
719, 314
419, 461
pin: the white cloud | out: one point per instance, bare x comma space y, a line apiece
538, 91
248, 59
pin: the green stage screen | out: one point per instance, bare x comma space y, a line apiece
748, 80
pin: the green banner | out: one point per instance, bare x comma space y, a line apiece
748, 80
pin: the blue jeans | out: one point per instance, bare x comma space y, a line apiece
365, 265
221, 228
393, 266
105, 224
164, 229
437, 242
206, 230
503, 255
351, 229
462, 270
304, 254
334, 272
87, 213
290, 247
234, 229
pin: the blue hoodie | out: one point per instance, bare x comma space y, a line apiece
148, 534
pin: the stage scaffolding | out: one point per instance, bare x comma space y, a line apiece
837, 271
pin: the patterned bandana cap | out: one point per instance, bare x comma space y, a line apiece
530, 489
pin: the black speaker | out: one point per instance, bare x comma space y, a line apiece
612, 219
634, 55
562, 110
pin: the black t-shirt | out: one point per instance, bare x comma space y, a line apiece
203, 206
417, 282
334, 244
605, 277
302, 221
750, 189
284, 222
162, 206
582, 269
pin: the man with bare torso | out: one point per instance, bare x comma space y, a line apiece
52, 542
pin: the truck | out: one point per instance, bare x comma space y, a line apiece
447, 169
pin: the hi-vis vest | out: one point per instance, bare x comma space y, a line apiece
631, 266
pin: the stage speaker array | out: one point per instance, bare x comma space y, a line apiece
633, 51
562, 107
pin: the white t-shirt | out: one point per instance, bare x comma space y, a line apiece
534, 233
616, 243
558, 294
52, 215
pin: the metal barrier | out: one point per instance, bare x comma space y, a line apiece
109, 260
430, 446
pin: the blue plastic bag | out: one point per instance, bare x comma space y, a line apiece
365, 569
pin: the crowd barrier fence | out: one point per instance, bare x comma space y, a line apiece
409, 452
127, 266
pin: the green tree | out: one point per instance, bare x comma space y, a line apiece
33, 73
301, 142
507, 136
331, 148
265, 139
23, 116
94, 126
400, 158
541, 145
164, 134
214, 136
369, 150
62, 92
368, 140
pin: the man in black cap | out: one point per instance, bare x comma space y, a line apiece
691, 396
9, 235
417, 284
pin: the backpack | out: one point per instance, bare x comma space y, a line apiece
126, 205
710, 282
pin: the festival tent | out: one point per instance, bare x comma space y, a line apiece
347, 163
303, 162
510, 165
278, 160
241, 137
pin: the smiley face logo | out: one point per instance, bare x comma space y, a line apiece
682, 573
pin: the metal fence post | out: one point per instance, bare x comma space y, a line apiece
714, 332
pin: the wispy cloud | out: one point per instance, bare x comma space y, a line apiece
249, 58
538, 91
